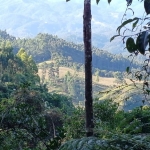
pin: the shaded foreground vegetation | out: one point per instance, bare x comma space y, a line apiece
114, 129
32, 118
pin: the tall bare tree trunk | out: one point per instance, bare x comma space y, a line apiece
88, 67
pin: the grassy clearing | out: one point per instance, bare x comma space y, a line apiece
63, 71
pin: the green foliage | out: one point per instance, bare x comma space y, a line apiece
60, 101
74, 124
114, 129
147, 6
14, 69
26, 122
130, 45
48, 47
104, 119
112, 38
128, 96
118, 142
142, 38
125, 23
31, 118
136, 121
104, 110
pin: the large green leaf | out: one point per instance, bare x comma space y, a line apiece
149, 41
97, 1
109, 1
130, 45
147, 6
142, 41
129, 2
125, 23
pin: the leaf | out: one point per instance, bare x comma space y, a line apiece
109, 1
112, 38
127, 69
126, 22
129, 2
147, 6
134, 24
143, 101
140, 77
130, 45
97, 1
142, 41
148, 43
146, 83
148, 91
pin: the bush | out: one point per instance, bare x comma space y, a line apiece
136, 121
117, 142
74, 124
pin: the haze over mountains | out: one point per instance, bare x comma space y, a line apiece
26, 18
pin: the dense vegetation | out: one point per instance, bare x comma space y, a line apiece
114, 129
48, 47
33, 118
61, 53
30, 116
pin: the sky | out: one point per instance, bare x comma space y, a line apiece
57, 17
117, 5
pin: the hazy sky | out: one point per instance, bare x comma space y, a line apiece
117, 5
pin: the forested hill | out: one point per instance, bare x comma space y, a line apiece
45, 47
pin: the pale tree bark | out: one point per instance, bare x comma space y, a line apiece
88, 67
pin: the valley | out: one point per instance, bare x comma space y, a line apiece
74, 75
61, 65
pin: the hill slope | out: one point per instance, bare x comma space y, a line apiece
45, 47
24, 18
63, 71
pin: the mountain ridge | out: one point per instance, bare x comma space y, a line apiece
24, 18
45, 47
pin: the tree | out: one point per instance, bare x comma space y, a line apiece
97, 75
88, 65
51, 74
28, 117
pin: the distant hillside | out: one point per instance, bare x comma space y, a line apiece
128, 96
45, 47
62, 68
26, 18
70, 82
